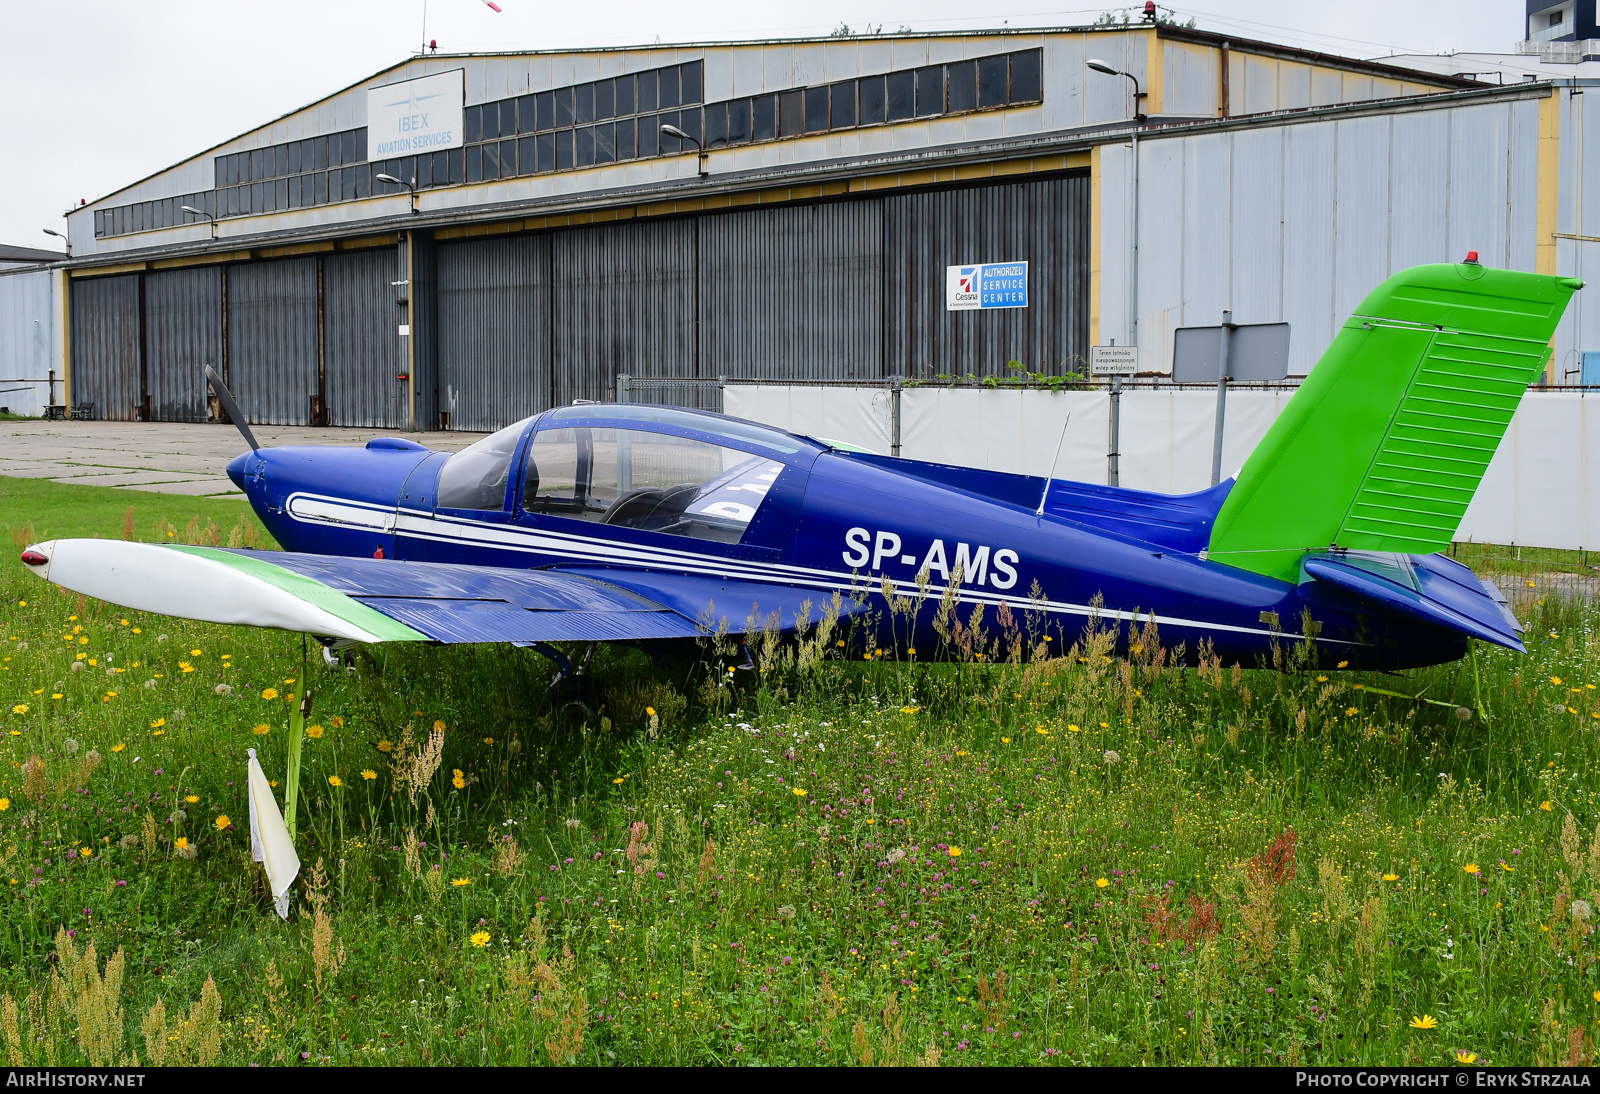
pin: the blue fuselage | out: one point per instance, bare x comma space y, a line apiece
834, 522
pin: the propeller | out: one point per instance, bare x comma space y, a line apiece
231, 408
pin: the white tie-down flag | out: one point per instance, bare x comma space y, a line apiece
269, 839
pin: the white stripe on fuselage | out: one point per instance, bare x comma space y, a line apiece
421, 525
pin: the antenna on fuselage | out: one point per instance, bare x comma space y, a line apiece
230, 408
1045, 493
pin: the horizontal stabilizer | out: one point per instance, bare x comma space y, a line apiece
1431, 588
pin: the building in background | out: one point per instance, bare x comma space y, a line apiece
461, 240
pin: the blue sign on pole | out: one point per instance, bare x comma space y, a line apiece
984, 285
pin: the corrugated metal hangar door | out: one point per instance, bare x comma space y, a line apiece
793, 292
105, 346
273, 340
494, 330
183, 334
624, 302
363, 353
1043, 223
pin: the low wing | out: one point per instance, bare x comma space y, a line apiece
373, 600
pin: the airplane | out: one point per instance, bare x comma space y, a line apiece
657, 526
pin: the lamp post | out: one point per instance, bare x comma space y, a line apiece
416, 206
202, 213
62, 237
1100, 66
702, 157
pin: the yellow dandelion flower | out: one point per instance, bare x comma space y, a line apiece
1322, 679
338, 721
368, 774
270, 693
438, 726
158, 723
192, 798
1555, 680
488, 740
288, 679
1072, 728
458, 779
136, 630
1508, 868
618, 781
158, 733
1545, 805
185, 666
460, 881
384, 746
118, 747
86, 852
55, 695
182, 843
20, 708
1101, 883
798, 792
313, 732
1472, 868
5, 803
1105, 725
1391, 877
1041, 731
1005, 740
1465, 1057
222, 822
334, 780
262, 730
650, 711
1597, 997
955, 852
480, 939
1427, 1021
1343, 664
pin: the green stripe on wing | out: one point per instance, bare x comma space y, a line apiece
313, 592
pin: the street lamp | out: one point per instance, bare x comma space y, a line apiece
1101, 66
702, 157
62, 237
416, 206
202, 213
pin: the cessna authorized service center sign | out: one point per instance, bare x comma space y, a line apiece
986, 285
414, 117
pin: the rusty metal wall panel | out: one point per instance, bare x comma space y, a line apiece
494, 330
363, 352
624, 301
793, 293
105, 346
1045, 223
183, 334
273, 339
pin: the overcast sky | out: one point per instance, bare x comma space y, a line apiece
100, 93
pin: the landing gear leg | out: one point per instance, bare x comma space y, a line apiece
571, 693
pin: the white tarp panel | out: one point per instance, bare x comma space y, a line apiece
860, 416
1542, 488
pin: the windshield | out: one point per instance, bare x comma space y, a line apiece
715, 424
475, 477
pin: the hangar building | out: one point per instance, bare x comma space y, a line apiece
546, 232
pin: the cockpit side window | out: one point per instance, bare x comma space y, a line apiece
475, 477
651, 481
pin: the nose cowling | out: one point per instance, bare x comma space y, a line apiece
239, 467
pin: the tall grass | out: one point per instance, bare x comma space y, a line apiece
1041, 859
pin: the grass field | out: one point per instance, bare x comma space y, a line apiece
1076, 860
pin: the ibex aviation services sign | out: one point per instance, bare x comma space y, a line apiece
416, 116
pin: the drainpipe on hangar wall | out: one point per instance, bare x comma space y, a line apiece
411, 329
1225, 67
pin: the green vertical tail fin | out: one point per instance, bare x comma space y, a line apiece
1385, 443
